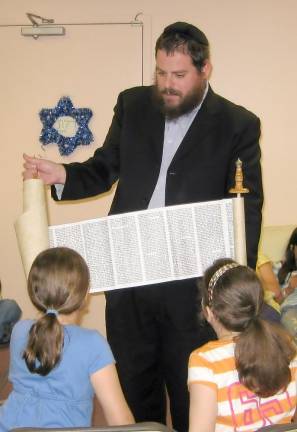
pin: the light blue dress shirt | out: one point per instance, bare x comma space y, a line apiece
175, 131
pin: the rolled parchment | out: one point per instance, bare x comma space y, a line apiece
239, 230
32, 226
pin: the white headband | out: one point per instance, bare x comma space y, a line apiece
216, 276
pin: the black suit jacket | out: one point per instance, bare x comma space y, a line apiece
202, 169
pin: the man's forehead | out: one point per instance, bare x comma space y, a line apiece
173, 64
173, 70
176, 58
181, 49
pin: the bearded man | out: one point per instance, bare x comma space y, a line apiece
175, 142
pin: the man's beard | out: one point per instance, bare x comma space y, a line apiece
187, 103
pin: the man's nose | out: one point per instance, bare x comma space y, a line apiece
168, 81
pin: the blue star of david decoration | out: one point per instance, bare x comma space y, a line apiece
50, 134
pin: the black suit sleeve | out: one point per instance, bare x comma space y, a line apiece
97, 174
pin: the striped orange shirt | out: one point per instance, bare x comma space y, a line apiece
238, 408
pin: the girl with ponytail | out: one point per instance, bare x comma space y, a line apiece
247, 378
57, 366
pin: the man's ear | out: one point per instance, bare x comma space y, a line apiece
206, 69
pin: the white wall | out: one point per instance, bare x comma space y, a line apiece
253, 52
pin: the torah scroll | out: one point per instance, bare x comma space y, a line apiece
138, 248
156, 245
32, 226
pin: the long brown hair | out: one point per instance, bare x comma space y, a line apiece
58, 283
263, 350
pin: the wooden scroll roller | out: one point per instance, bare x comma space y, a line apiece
238, 188
238, 215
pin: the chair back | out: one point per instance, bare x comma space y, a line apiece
280, 428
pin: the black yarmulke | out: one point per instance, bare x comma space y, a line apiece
188, 30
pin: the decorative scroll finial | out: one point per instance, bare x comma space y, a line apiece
238, 188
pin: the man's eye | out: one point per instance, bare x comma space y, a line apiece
180, 75
160, 73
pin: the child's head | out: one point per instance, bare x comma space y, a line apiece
57, 284
233, 292
58, 280
291, 251
290, 261
234, 295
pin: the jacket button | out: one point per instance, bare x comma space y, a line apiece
172, 173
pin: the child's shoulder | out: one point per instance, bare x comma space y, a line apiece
22, 326
21, 330
214, 349
90, 342
91, 335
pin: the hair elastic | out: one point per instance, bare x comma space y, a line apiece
52, 311
216, 276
